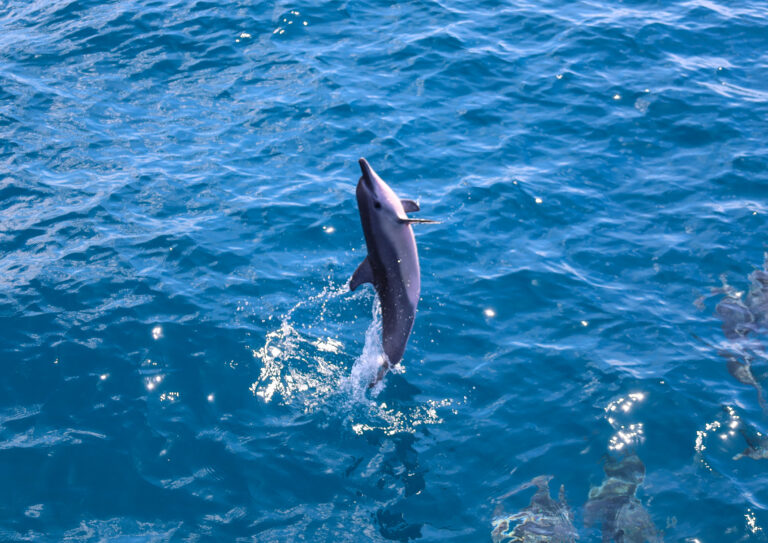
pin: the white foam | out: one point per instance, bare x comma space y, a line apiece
302, 364
367, 365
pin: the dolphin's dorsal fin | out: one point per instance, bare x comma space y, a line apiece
363, 274
410, 206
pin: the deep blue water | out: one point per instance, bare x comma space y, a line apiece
178, 357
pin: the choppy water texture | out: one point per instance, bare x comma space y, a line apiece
180, 360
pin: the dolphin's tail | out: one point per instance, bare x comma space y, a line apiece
383, 369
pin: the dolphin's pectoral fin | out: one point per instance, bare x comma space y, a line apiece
410, 206
363, 274
418, 221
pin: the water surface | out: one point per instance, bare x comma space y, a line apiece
177, 224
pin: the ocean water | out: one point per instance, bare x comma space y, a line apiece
179, 357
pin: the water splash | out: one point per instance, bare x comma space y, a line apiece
368, 364
303, 365
299, 366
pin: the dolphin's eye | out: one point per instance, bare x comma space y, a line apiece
377, 205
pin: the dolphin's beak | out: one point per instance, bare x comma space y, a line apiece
367, 173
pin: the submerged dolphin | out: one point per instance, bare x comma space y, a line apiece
392, 264
544, 520
615, 505
757, 446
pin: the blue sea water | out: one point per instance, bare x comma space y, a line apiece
179, 357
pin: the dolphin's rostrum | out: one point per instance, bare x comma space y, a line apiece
392, 264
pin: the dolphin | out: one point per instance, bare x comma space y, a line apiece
392, 263
614, 504
543, 520
757, 446
738, 320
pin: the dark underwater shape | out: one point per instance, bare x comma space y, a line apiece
743, 321
750, 315
614, 503
738, 320
392, 264
757, 297
543, 520
757, 446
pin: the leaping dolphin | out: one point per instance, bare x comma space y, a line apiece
392, 264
